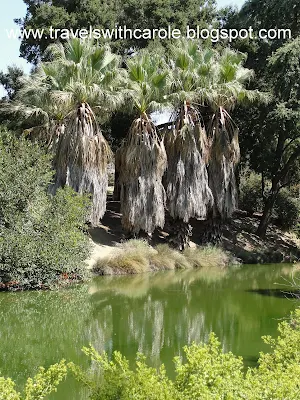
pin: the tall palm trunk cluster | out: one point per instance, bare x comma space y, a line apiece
81, 159
143, 163
186, 180
186, 172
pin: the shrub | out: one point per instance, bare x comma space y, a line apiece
41, 236
250, 196
286, 210
167, 258
131, 257
136, 256
37, 388
207, 257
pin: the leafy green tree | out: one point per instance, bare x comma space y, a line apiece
41, 236
269, 132
263, 14
283, 122
63, 14
106, 14
10, 80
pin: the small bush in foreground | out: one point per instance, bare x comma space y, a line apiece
37, 388
136, 256
41, 236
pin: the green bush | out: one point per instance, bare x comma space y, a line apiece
250, 195
37, 388
41, 236
286, 210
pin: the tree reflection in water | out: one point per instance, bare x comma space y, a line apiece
156, 314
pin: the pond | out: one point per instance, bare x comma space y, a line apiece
156, 314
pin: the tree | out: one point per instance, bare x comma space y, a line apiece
264, 14
283, 122
41, 236
213, 82
143, 158
267, 130
10, 81
228, 89
188, 192
59, 14
80, 80
70, 14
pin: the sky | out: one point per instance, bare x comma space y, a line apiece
10, 48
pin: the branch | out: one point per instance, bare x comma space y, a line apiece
289, 163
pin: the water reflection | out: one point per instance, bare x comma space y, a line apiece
156, 314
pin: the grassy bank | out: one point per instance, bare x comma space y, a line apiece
137, 256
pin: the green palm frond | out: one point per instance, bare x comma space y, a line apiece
74, 50
148, 82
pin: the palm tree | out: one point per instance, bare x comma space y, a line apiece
228, 87
80, 81
142, 156
36, 110
188, 192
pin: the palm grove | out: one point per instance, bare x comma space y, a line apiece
81, 89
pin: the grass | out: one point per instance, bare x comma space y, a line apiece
137, 256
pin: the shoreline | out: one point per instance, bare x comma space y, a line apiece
239, 243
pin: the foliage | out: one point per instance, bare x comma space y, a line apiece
287, 210
41, 236
136, 256
203, 148
250, 192
270, 134
213, 79
37, 388
205, 373
186, 179
106, 14
10, 80
60, 100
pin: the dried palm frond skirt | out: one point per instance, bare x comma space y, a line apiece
143, 162
82, 158
186, 181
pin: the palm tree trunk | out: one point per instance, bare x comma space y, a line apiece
117, 186
211, 229
179, 233
142, 166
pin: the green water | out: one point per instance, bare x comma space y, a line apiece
156, 314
